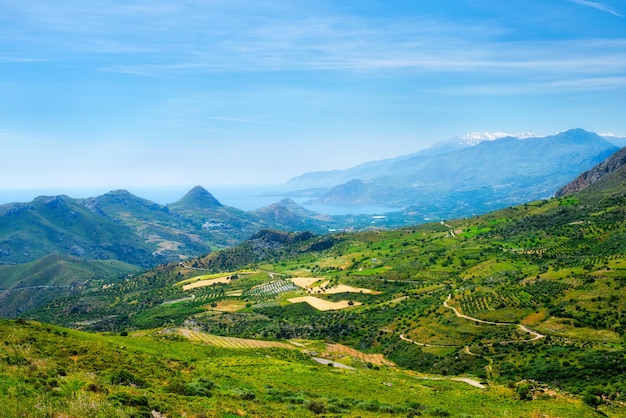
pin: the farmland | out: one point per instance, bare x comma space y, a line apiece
532, 296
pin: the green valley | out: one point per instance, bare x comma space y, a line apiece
529, 301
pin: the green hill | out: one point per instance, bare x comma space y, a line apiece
27, 286
62, 225
532, 297
47, 371
530, 300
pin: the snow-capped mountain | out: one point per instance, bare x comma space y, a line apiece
475, 138
456, 179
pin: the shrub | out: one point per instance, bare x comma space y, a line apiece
125, 378
244, 394
199, 387
523, 392
317, 407
438, 412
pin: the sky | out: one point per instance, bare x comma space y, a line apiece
119, 94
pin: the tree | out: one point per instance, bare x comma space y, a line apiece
592, 400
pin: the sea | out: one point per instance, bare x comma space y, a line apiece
249, 197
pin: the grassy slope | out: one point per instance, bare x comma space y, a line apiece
27, 286
46, 370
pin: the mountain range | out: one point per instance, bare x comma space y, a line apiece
56, 243
463, 177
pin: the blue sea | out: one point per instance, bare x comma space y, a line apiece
240, 197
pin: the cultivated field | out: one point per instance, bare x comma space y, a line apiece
305, 282
228, 305
323, 305
230, 342
339, 350
204, 283
342, 288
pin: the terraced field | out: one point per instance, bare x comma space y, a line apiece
230, 342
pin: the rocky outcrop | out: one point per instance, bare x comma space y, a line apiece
608, 166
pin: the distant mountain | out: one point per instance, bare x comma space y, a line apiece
614, 166
374, 169
197, 198
614, 139
121, 226
62, 225
470, 140
290, 216
218, 224
476, 178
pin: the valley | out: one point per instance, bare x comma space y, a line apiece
520, 309
529, 299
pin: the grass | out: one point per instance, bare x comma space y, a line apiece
71, 373
535, 265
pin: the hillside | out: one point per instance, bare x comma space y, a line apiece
29, 285
289, 216
474, 179
62, 225
52, 371
50, 246
531, 296
613, 166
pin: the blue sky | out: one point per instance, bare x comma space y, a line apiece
126, 93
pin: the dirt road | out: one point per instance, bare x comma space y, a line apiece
535, 334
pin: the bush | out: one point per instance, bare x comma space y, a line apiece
245, 394
523, 392
130, 400
199, 387
438, 412
317, 407
125, 378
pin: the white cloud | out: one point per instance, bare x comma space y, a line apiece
595, 5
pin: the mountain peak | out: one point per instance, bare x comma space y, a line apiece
198, 197
474, 138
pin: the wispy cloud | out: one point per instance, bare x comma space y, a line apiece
10, 135
238, 120
160, 38
598, 6
535, 88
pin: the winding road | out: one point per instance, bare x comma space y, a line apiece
402, 337
535, 334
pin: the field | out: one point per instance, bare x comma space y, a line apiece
341, 352
342, 288
231, 342
206, 282
324, 305
305, 282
